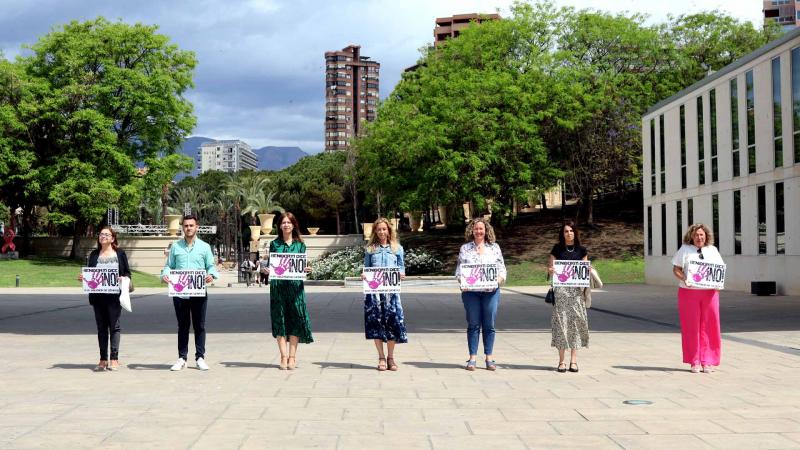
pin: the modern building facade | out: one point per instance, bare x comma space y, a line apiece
450, 27
785, 12
726, 152
351, 95
226, 156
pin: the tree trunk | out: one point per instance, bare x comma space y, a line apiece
164, 200
338, 223
355, 208
590, 209
544, 203
76, 238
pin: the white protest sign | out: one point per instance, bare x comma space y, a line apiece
100, 280
706, 275
381, 280
478, 277
287, 266
567, 273
187, 283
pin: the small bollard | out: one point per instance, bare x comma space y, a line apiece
17, 281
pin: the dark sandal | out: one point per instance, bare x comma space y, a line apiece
391, 364
381, 364
471, 363
571, 369
490, 365
560, 369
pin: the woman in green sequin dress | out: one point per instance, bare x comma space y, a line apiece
287, 298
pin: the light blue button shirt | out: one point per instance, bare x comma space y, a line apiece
198, 256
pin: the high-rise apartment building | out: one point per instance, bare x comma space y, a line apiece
226, 156
450, 27
785, 12
351, 95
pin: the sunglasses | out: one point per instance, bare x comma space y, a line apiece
700, 253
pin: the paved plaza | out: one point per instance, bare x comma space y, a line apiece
50, 398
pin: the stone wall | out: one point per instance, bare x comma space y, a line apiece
146, 253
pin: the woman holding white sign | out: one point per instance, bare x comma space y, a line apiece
698, 307
569, 322
383, 313
107, 309
287, 298
480, 262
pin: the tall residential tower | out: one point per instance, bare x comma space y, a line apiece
351, 95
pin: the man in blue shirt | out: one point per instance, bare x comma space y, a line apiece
191, 253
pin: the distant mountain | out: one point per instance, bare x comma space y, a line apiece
277, 158
269, 158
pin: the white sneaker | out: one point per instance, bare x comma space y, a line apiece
708, 369
201, 364
179, 364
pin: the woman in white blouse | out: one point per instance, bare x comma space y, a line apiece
481, 306
698, 307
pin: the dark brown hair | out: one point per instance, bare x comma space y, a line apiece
114, 243
563, 242
295, 226
190, 217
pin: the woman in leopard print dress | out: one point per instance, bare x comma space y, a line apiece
569, 322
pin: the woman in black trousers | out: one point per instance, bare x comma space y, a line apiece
107, 309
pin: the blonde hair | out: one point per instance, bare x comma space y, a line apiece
687, 238
375, 242
490, 238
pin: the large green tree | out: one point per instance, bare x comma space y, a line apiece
465, 125
90, 100
314, 187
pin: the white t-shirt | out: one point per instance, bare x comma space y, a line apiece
688, 252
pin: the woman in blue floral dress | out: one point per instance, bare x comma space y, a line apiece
383, 314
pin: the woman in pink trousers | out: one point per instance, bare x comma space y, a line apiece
698, 307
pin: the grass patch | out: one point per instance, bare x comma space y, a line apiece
55, 272
614, 271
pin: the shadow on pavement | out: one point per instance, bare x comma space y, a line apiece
649, 368
335, 365
433, 365
73, 366
135, 366
526, 367
237, 364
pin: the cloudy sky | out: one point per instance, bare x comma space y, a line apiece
260, 75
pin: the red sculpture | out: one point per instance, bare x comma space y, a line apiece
8, 237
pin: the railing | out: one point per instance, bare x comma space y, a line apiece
158, 229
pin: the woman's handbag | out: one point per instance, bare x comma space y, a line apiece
550, 297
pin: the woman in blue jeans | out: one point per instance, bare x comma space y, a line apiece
481, 306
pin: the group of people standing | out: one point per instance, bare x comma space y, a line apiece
384, 319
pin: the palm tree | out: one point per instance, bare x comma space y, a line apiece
187, 194
260, 202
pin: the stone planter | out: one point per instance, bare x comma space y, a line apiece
173, 224
367, 227
415, 221
313, 231
255, 232
467, 211
266, 222
443, 216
